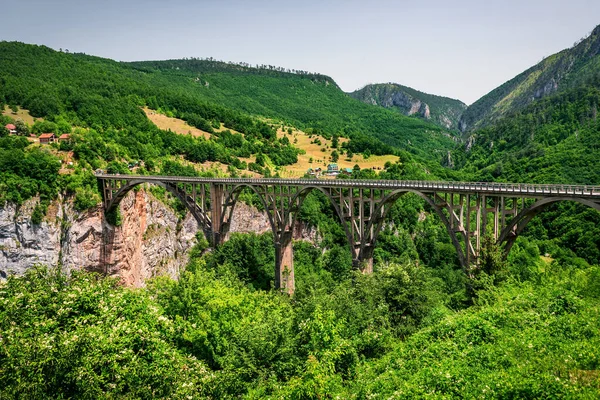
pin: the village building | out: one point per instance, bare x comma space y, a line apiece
12, 129
47, 138
65, 137
333, 169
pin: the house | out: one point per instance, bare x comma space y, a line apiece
332, 169
65, 137
347, 171
12, 130
46, 138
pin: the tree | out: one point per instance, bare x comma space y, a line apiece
22, 128
334, 156
334, 141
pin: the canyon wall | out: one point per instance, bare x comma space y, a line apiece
150, 241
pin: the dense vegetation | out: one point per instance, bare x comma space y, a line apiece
443, 111
525, 327
210, 335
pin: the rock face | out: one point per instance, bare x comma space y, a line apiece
150, 241
23, 244
440, 110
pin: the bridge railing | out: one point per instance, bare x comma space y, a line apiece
524, 189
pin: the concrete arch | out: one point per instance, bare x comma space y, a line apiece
231, 202
199, 214
509, 234
301, 195
391, 198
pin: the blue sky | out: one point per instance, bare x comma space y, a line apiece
461, 48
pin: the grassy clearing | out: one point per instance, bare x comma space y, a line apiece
316, 155
21, 114
321, 155
174, 124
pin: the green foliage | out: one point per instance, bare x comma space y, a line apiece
213, 335
248, 257
38, 214
26, 172
525, 341
86, 337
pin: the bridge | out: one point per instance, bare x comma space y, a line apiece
468, 210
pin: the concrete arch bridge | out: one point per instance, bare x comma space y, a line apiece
469, 210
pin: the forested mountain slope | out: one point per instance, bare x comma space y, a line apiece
569, 68
442, 111
554, 140
308, 101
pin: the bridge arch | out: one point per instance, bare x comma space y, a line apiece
230, 202
301, 195
509, 234
290, 211
383, 209
200, 215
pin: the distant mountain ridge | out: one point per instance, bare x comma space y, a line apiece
569, 68
442, 111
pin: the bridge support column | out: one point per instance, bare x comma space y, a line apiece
284, 265
364, 262
216, 214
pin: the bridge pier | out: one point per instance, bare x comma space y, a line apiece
365, 265
284, 265
216, 214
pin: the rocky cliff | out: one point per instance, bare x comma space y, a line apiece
440, 110
151, 240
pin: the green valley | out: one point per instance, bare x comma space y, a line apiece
136, 304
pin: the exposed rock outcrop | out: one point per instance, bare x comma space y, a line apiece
151, 240
440, 110
22, 243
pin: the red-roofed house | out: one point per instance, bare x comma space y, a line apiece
65, 137
46, 138
11, 129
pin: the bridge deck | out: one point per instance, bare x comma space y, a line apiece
504, 189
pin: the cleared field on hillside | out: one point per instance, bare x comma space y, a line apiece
320, 158
174, 124
21, 114
316, 156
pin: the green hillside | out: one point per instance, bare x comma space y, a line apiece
554, 140
100, 102
210, 335
442, 111
567, 69
307, 101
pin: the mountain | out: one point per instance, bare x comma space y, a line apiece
553, 140
442, 111
307, 101
569, 68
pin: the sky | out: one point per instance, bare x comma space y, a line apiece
461, 49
